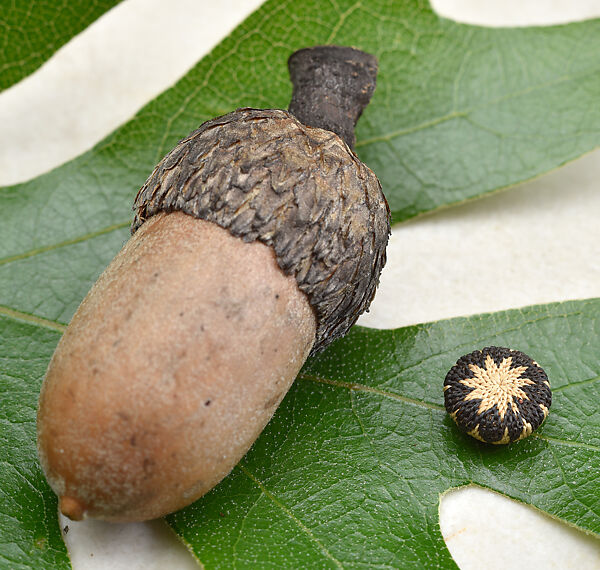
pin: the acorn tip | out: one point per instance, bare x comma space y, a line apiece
72, 508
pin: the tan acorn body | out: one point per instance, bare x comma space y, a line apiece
170, 369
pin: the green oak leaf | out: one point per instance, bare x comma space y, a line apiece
459, 111
354, 462
350, 471
32, 30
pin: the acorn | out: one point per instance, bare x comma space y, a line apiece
258, 240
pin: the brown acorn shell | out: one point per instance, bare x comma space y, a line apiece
265, 176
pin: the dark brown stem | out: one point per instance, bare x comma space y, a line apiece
332, 86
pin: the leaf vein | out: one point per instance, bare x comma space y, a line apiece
566, 442
32, 319
291, 515
73, 241
465, 114
363, 388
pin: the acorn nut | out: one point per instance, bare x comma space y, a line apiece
497, 395
257, 240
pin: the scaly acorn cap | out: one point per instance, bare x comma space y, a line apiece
264, 175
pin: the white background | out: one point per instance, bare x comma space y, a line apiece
133, 53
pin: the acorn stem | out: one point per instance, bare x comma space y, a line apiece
332, 86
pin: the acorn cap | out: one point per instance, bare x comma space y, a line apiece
264, 175
497, 395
